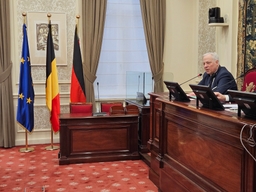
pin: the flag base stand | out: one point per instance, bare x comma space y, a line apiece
26, 150
51, 148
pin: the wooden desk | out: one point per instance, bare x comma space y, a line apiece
144, 126
199, 149
93, 139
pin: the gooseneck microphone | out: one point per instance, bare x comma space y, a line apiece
152, 84
98, 96
98, 91
200, 74
227, 82
138, 83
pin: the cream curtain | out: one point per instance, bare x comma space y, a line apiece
154, 15
7, 120
93, 21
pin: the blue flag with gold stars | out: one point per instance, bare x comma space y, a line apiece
25, 110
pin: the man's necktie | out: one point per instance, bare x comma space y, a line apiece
212, 79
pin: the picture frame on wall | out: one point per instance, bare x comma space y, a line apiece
37, 28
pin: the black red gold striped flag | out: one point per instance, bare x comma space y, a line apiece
77, 87
52, 85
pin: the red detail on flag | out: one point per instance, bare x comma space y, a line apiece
55, 113
77, 86
76, 92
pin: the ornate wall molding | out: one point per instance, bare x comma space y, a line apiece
206, 34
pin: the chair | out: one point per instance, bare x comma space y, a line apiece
132, 110
117, 110
81, 107
249, 83
105, 106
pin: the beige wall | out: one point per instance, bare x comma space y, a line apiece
188, 36
181, 40
226, 37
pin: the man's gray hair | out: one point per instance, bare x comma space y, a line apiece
213, 54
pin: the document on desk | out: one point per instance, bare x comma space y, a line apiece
230, 107
192, 97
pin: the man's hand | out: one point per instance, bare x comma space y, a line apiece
220, 96
191, 94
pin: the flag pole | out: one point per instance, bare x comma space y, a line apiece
51, 147
26, 149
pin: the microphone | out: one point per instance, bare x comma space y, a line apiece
152, 84
200, 74
228, 82
98, 95
138, 83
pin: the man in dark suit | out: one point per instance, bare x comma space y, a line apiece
216, 76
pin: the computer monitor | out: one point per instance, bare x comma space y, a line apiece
176, 91
246, 102
205, 95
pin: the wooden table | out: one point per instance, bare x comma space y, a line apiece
97, 138
197, 149
144, 128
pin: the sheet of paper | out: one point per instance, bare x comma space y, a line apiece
233, 106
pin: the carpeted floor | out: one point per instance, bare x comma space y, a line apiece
39, 170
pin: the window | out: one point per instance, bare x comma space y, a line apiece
123, 49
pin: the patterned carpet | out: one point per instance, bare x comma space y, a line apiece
39, 170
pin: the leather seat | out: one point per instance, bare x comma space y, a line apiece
132, 109
105, 106
117, 110
81, 107
249, 83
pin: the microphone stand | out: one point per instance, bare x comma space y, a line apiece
99, 110
191, 79
139, 83
228, 82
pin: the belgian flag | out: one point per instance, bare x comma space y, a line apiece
77, 87
52, 86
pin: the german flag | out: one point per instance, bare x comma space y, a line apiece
52, 86
77, 87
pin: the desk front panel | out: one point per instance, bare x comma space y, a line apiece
200, 149
94, 139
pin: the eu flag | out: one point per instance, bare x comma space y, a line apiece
25, 110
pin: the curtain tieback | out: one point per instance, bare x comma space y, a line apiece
6, 73
159, 75
89, 75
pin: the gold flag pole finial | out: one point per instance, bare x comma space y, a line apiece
24, 17
77, 19
49, 17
